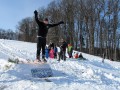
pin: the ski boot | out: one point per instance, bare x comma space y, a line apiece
44, 60
38, 59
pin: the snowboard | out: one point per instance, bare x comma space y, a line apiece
28, 61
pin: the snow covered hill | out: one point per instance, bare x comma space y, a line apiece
72, 74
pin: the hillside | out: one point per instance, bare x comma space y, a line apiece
72, 74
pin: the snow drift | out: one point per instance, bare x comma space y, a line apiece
72, 74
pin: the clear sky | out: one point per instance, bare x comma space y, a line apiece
13, 11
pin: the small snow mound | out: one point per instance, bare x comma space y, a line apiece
110, 76
88, 73
5, 65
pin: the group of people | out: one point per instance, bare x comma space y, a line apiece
51, 51
57, 52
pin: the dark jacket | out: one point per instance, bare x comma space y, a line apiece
64, 46
43, 28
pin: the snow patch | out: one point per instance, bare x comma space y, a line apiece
71, 74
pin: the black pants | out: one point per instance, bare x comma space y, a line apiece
41, 43
62, 55
55, 55
70, 54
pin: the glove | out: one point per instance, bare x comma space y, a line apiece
61, 22
35, 12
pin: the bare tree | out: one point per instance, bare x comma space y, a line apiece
27, 30
91, 24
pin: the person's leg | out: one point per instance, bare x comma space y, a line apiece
55, 55
38, 49
70, 54
64, 57
59, 56
43, 49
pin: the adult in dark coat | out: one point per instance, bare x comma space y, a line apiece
42, 33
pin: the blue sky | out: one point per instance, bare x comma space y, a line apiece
13, 11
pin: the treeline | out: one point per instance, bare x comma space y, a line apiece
8, 34
91, 26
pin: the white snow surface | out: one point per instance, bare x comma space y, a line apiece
72, 74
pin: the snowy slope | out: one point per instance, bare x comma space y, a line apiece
72, 74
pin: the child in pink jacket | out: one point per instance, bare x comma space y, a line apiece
51, 53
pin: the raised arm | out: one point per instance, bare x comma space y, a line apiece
36, 17
53, 25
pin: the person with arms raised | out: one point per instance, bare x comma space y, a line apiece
42, 33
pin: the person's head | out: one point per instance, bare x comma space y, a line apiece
80, 53
69, 45
46, 21
51, 47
